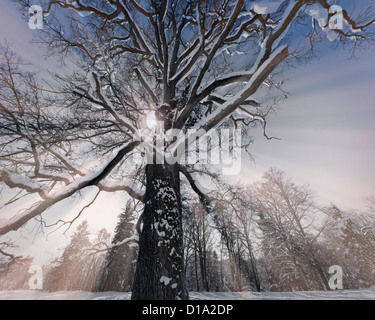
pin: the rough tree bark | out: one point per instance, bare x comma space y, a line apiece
159, 274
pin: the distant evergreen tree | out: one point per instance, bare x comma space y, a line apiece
67, 268
118, 269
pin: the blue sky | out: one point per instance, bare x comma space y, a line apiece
326, 126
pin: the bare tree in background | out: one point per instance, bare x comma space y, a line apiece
289, 220
370, 202
178, 59
349, 241
199, 240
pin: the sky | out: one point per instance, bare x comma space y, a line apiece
326, 126
326, 129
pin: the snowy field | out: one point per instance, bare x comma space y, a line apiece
368, 294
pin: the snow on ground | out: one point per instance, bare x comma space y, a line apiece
367, 294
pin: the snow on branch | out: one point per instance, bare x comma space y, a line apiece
92, 179
133, 238
135, 193
197, 188
251, 87
103, 247
3, 247
13, 180
79, 7
102, 100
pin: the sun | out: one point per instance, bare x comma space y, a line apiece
151, 120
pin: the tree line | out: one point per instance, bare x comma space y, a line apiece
269, 236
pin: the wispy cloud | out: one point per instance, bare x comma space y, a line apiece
327, 130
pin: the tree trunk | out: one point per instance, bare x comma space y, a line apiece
324, 285
196, 265
253, 262
159, 274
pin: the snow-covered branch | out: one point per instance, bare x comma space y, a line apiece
54, 197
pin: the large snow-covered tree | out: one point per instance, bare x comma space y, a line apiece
193, 64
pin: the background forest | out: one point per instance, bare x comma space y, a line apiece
269, 236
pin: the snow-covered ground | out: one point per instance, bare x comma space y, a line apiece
368, 294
